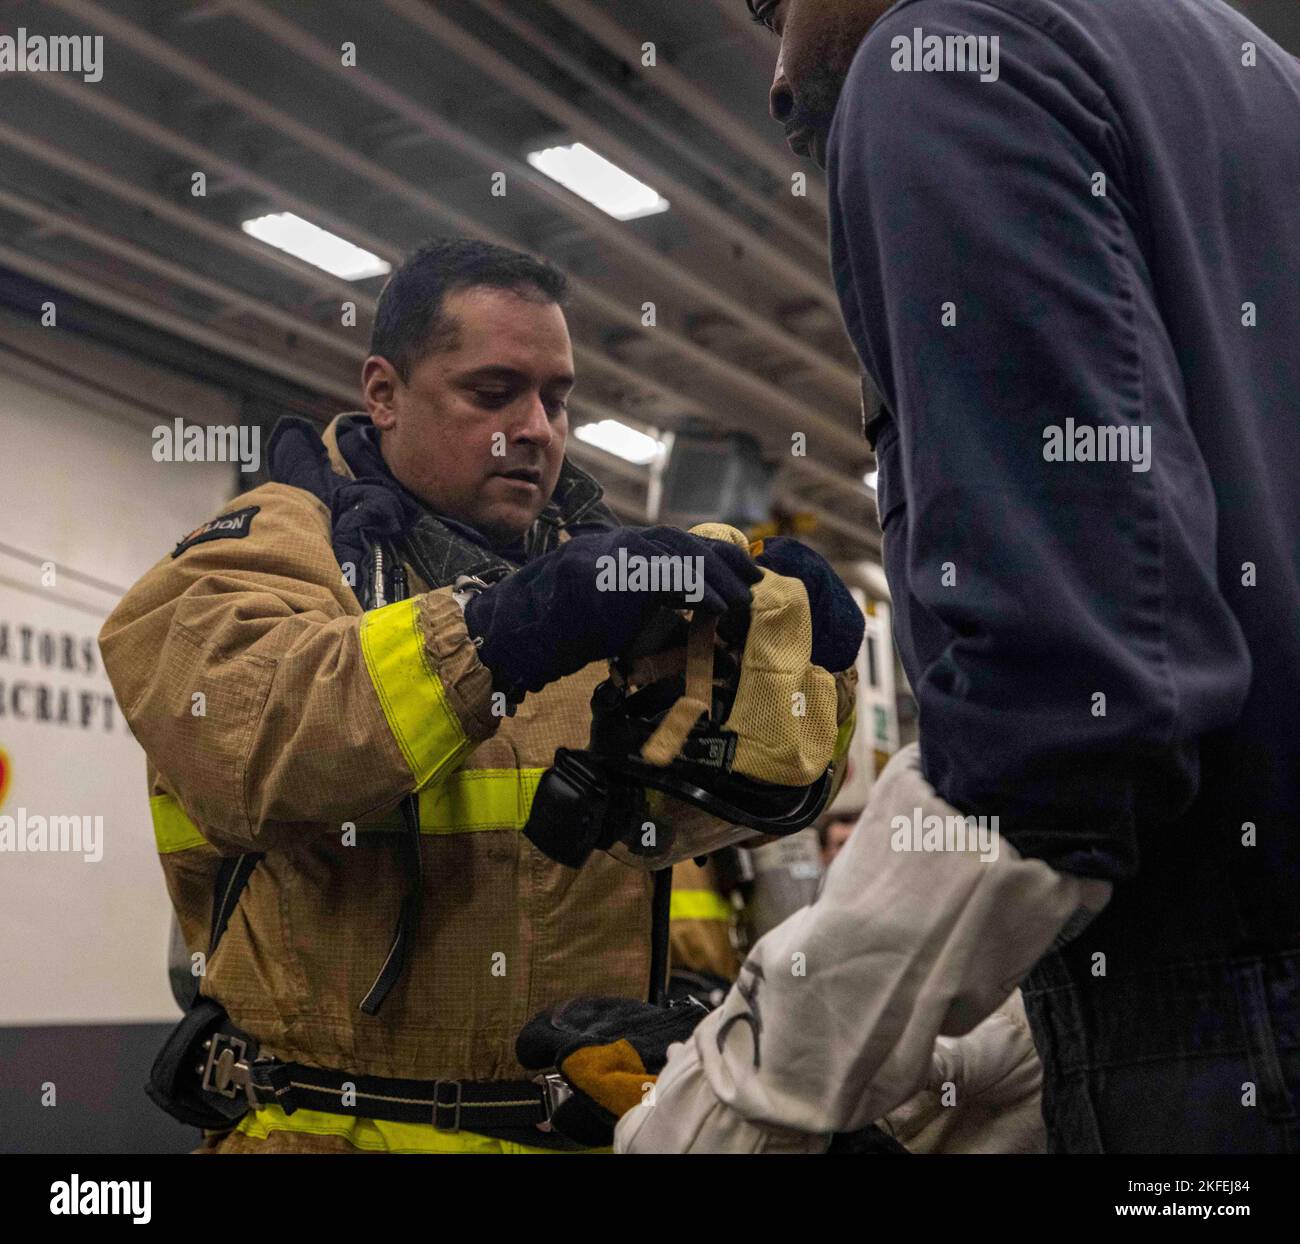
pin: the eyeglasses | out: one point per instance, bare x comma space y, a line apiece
762, 11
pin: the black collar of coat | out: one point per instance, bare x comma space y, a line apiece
375, 507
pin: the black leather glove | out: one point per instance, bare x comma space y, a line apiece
837, 622
610, 1051
565, 610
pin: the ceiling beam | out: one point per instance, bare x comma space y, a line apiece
707, 110
167, 320
841, 379
795, 276
629, 53
62, 223
753, 390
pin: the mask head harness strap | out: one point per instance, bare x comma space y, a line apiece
665, 744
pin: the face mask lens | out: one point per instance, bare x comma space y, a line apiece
672, 830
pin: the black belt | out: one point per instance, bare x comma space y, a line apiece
483, 1106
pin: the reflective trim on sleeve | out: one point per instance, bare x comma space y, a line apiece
698, 905
172, 828
410, 692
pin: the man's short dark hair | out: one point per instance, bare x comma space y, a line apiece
409, 321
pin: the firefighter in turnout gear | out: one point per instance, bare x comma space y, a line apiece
344, 738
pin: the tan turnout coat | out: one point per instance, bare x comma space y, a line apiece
273, 720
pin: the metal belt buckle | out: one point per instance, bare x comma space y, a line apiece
227, 1070
438, 1103
556, 1090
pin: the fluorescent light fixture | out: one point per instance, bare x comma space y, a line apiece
870, 479
595, 179
619, 439
317, 246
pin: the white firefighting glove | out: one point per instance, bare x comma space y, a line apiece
834, 1018
983, 1093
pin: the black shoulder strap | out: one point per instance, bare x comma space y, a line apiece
232, 877
660, 935
408, 916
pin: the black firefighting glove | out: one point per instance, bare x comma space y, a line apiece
572, 606
610, 1052
837, 622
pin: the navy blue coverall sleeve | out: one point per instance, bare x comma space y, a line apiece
1060, 621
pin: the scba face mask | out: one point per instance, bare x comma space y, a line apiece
700, 746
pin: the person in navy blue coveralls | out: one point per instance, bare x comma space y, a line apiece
1071, 268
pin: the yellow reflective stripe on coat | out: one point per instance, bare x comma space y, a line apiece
172, 828
698, 905
410, 692
474, 799
463, 802
380, 1135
